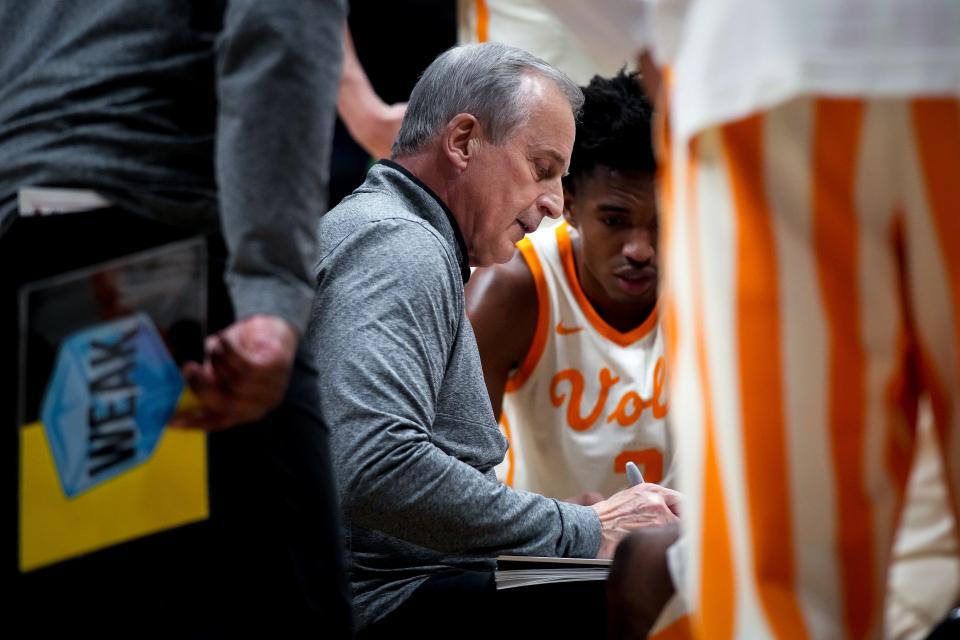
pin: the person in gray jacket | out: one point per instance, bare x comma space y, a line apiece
477, 164
178, 119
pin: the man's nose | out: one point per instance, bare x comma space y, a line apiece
639, 246
550, 203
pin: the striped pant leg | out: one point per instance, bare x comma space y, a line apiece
931, 203
794, 368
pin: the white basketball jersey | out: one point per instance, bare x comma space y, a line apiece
586, 398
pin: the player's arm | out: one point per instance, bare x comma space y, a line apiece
372, 123
502, 306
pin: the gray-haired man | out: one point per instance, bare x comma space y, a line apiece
477, 164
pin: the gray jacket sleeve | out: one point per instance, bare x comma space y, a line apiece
278, 72
382, 340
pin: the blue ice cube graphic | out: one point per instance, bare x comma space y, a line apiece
113, 389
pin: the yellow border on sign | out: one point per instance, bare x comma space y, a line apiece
166, 491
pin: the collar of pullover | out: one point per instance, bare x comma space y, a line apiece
461, 245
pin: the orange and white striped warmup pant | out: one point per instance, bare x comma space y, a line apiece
813, 293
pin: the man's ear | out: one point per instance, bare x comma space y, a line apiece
460, 138
568, 207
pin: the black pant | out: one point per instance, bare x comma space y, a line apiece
279, 568
467, 604
269, 557
948, 628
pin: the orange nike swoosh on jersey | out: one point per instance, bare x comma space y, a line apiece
564, 331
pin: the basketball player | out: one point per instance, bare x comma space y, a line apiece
812, 295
